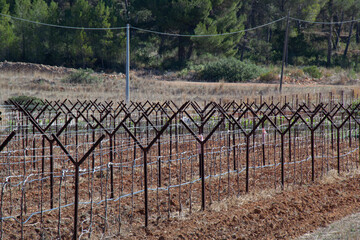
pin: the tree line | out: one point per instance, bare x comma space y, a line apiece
309, 43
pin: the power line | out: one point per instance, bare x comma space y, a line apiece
207, 35
173, 34
141, 29
326, 23
60, 26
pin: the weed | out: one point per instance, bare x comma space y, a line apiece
82, 76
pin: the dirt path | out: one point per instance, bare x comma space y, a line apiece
284, 214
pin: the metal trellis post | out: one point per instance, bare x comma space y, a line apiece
127, 94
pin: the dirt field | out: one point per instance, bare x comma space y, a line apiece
270, 214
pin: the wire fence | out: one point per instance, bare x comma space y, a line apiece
89, 169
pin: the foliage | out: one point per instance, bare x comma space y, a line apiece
82, 76
261, 51
229, 70
313, 71
295, 72
105, 49
222, 18
269, 77
356, 106
23, 99
7, 36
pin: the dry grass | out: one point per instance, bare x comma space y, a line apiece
346, 228
46, 84
332, 176
236, 202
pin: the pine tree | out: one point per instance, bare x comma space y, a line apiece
54, 43
32, 36
79, 45
178, 17
7, 36
101, 40
222, 19
22, 10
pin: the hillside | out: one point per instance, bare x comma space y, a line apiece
48, 82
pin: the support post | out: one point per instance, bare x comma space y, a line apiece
127, 93
145, 150
282, 162
76, 205
202, 176
247, 162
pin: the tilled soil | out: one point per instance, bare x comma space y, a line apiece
283, 215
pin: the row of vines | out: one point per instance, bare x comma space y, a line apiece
89, 169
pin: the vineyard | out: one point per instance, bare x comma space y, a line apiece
89, 169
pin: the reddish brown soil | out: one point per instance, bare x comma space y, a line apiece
285, 215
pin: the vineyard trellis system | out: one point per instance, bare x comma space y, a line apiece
88, 169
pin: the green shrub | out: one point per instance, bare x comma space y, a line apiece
196, 65
269, 77
22, 100
355, 103
295, 73
313, 71
229, 70
82, 76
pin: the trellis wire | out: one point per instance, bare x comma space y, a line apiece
219, 151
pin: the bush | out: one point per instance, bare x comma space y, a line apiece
22, 100
229, 70
269, 77
313, 71
82, 76
296, 73
356, 106
355, 103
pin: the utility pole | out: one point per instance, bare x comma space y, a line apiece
284, 50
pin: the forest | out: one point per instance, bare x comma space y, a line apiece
321, 32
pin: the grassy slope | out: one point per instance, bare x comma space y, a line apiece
23, 79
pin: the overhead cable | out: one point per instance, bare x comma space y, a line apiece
174, 34
61, 26
140, 29
207, 35
325, 23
